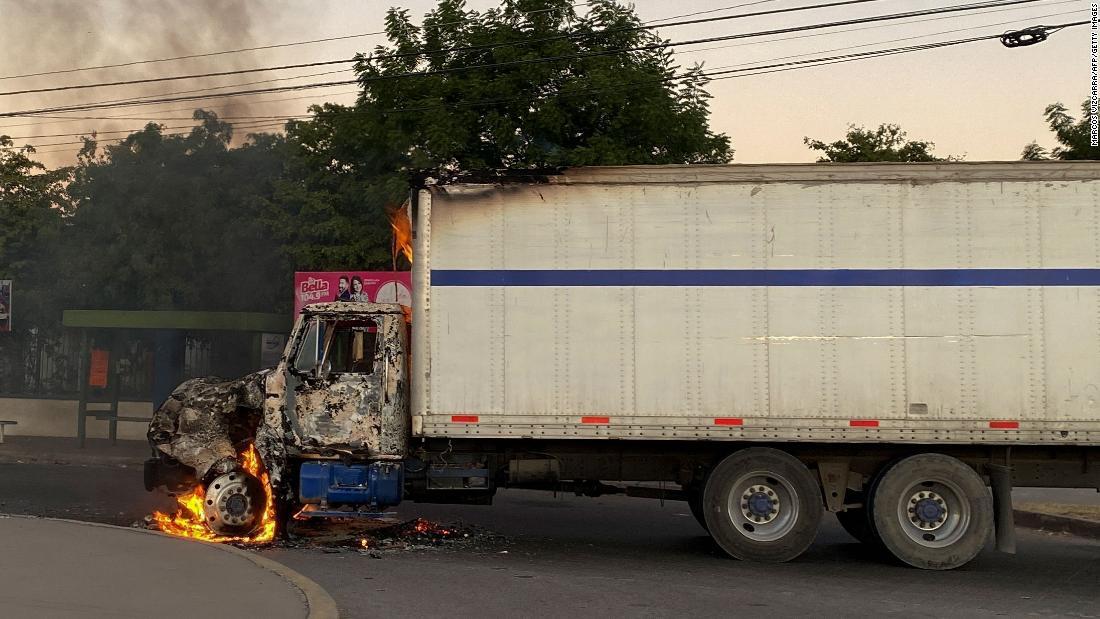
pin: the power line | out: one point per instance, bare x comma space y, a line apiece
66, 119
241, 126
235, 51
930, 34
905, 23
741, 72
718, 10
182, 92
170, 78
756, 68
529, 61
752, 70
644, 26
150, 80
452, 49
270, 120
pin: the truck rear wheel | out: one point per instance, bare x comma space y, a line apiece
932, 511
762, 504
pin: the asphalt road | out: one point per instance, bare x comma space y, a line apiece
615, 556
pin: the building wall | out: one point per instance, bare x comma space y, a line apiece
47, 417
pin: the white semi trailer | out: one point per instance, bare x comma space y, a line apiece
887, 342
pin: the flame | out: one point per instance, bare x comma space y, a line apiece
189, 520
402, 232
422, 526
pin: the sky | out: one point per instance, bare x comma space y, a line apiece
981, 101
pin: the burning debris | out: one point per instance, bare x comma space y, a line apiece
375, 536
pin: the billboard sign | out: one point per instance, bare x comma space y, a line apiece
371, 286
5, 305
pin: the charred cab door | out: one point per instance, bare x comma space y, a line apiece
339, 389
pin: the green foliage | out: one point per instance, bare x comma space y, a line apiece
351, 165
329, 210
601, 108
32, 203
186, 222
1073, 135
170, 222
886, 143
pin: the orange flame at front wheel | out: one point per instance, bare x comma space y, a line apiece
190, 521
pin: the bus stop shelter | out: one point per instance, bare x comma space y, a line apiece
101, 334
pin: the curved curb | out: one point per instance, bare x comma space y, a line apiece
1080, 527
319, 604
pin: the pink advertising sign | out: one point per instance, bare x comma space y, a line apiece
373, 286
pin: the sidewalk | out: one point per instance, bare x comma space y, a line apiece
1073, 511
51, 450
59, 568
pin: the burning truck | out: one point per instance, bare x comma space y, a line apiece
885, 342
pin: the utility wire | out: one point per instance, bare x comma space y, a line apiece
606, 31
355, 59
237, 51
269, 121
740, 71
67, 119
241, 126
64, 119
736, 73
171, 78
471, 47
890, 25
713, 71
239, 84
529, 61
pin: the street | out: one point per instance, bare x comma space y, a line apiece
615, 556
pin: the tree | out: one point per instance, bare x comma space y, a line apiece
491, 104
1034, 152
33, 202
595, 106
1074, 135
170, 222
886, 143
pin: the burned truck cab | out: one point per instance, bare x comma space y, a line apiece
336, 408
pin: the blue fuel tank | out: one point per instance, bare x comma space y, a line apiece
378, 484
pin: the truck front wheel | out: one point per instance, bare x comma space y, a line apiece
762, 504
932, 511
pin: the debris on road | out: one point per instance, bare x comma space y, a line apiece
375, 537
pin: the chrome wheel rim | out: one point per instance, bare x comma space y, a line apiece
934, 513
763, 506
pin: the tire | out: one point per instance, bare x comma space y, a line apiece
856, 522
932, 512
742, 489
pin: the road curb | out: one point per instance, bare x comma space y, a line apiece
319, 604
1062, 524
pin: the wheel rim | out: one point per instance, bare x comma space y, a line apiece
934, 513
763, 506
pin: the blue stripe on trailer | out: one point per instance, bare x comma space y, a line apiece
769, 277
